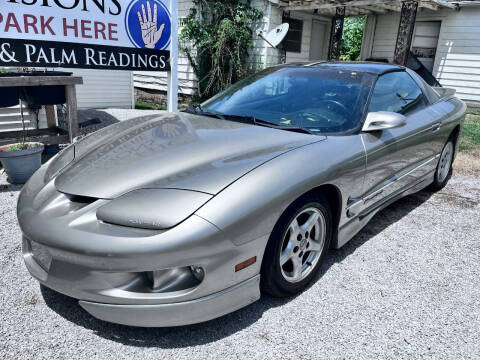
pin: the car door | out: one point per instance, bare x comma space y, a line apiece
398, 158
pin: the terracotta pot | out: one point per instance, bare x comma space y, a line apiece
20, 165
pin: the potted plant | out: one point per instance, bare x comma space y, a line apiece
22, 159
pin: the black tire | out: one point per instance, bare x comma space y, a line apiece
272, 280
439, 183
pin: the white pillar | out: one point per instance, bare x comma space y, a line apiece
368, 37
172, 76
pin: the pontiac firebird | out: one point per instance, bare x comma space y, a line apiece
180, 218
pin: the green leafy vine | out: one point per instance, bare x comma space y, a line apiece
352, 38
216, 39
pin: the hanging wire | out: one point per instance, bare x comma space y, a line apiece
24, 132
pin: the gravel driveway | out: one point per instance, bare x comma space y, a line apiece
408, 286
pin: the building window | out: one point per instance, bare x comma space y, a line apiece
293, 40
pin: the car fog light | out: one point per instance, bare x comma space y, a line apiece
197, 272
175, 279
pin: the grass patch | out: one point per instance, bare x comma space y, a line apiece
470, 139
140, 105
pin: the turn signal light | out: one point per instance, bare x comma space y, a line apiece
245, 264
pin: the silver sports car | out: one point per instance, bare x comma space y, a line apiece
176, 219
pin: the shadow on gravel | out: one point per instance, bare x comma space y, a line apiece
388, 216
167, 338
227, 325
10, 188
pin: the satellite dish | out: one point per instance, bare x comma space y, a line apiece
275, 36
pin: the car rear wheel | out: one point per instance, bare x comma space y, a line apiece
296, 247
444, 169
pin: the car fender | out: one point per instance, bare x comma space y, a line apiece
250, 207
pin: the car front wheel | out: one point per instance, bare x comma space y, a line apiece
297, 246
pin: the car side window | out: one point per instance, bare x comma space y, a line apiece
397, 92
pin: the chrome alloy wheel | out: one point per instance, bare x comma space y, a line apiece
446, 159
302, 244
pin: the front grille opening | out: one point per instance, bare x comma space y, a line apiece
78, 199
63, 204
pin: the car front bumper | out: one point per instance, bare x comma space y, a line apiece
104, 266
160, 315
182, 313
133, 310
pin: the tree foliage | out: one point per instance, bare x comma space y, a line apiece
216, 39
352, 38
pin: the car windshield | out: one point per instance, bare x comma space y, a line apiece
328, 101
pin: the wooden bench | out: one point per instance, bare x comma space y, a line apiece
52, 135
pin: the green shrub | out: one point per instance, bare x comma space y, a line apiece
216, 39
352, 38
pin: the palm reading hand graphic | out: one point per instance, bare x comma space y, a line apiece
150, 33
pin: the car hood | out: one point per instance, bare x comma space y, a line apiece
172, 151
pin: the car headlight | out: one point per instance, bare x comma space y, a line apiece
155, 209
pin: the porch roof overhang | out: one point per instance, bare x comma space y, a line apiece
363, 7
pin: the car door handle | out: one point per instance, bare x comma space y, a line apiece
435, 127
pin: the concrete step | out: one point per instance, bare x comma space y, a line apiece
16, 116
11, 119
12, 111
13, 125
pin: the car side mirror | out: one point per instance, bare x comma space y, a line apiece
383, 120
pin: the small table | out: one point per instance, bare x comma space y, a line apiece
52, 135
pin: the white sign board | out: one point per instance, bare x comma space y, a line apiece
92, 34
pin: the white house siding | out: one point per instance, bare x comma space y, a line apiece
158, 80
104, 89
457, 61
307, 18
261, 55
385, 36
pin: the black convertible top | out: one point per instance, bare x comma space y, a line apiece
369, 67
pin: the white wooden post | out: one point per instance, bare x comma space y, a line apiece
172, 76
368, 35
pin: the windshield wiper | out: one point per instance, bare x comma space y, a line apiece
198, 110
248, 119
254, 120
280, 127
